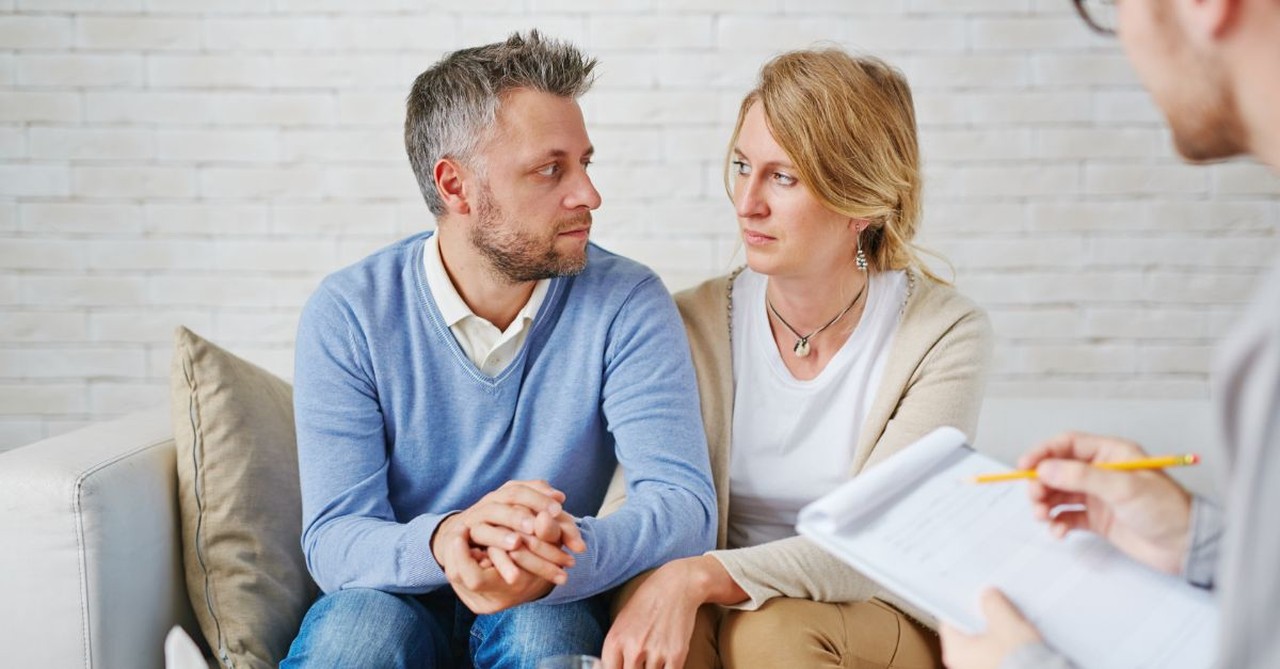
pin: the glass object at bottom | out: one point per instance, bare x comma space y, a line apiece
571, 662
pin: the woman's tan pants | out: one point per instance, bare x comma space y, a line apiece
799, 633
790, 633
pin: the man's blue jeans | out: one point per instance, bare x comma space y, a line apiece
374, 629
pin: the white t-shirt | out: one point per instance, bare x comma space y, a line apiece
793, 441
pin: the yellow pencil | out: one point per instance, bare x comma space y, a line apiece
1159, 462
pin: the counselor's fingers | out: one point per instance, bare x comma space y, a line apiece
1072, 476
999, 610
1042, 507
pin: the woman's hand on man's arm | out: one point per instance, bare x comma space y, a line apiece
654, 627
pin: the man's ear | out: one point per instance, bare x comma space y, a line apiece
449, 180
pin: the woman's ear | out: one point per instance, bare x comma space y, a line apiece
449, 186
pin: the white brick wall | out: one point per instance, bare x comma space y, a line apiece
167, 162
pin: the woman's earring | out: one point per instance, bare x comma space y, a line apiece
861, 258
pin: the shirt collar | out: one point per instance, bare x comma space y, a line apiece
452, 307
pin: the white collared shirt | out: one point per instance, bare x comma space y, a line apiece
488, 347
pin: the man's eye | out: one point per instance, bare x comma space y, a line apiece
550, 170
741, 168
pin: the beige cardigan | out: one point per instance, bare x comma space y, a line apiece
934, 376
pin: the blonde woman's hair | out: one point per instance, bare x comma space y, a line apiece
849, 126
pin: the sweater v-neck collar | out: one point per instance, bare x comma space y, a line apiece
436, 321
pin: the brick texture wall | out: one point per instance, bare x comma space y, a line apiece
168, 162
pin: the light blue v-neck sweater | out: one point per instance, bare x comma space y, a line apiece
397, 427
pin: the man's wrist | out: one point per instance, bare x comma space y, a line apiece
436, 535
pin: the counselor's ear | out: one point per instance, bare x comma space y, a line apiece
450, 185
1210, 20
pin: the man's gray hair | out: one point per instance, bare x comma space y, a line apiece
453, 106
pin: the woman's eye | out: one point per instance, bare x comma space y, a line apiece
784, 179
741, 168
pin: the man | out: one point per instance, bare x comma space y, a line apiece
1213, 67
464, 398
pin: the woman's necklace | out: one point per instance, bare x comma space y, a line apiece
801, 348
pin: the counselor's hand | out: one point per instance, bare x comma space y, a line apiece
1006, 630
1144, 513
521, 526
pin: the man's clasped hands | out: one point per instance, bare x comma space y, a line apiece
511, 547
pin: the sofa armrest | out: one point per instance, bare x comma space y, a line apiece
90, 547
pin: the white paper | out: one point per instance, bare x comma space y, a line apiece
938, 539
180, 652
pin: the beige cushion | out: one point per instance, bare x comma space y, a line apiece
240, 504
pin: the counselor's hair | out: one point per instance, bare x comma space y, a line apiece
453, 106
848, 124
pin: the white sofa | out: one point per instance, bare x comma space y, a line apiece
90, 562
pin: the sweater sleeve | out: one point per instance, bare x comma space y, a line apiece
1207, 525
946, 389
650, 404
350, 535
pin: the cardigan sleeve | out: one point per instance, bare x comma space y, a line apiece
945, 389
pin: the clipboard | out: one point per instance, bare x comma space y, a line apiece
918, 526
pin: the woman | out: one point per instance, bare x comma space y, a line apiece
832, 350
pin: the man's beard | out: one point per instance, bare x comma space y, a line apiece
519, 257
1201, 108
1208, 129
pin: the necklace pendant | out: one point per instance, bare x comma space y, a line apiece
801, 349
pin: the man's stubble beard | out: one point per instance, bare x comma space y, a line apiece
1197, 98
518, 257
1208, 129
